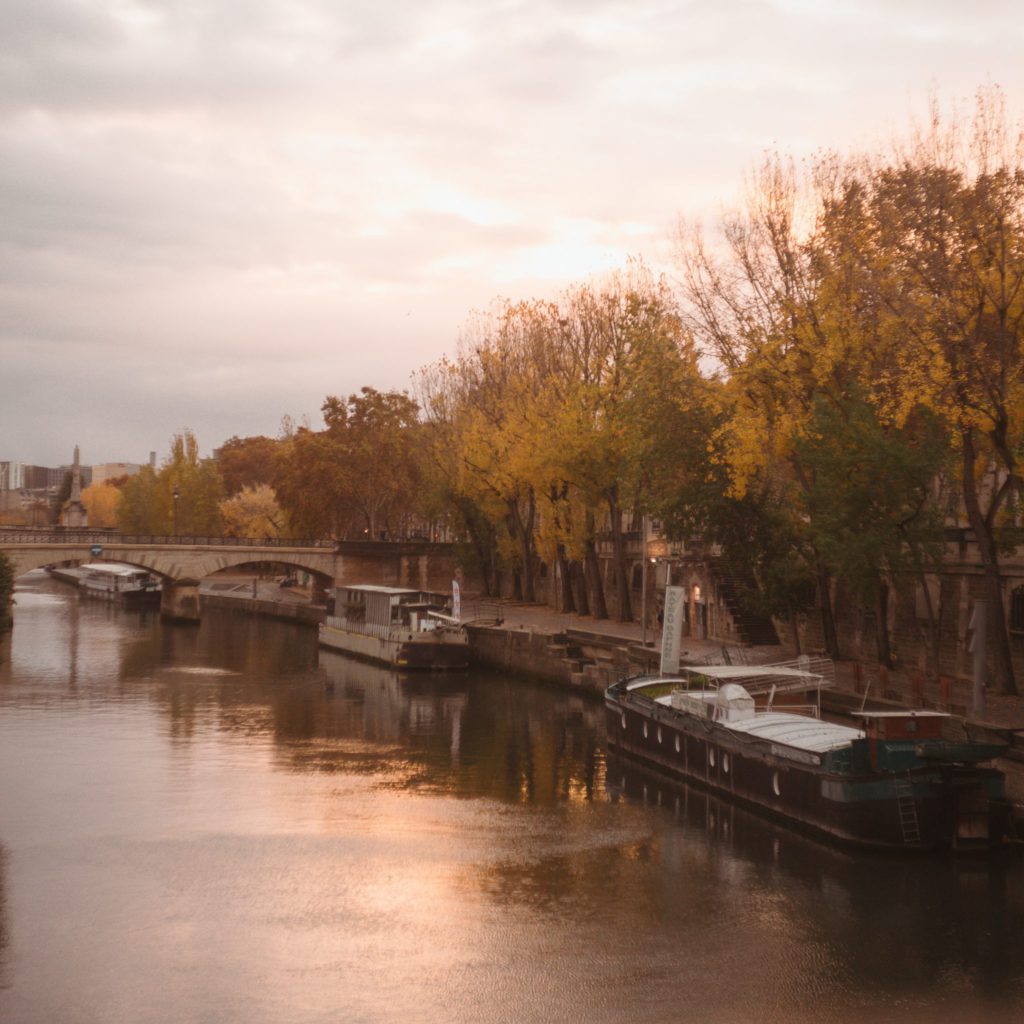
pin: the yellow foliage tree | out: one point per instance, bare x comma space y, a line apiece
102, 501
252, 512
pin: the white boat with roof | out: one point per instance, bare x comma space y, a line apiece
113, 581
410, 629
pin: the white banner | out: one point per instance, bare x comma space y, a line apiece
456, 600
672, 630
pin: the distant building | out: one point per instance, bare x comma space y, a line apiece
105, 471
43, 478
12, 476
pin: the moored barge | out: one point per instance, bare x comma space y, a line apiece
127, 585
754, 733
409, 629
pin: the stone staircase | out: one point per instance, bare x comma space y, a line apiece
731, 583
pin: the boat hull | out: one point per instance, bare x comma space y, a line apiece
148, 598
437, 650
934, 807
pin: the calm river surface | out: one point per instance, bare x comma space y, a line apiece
220, 824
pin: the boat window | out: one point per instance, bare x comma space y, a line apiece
711, 756
776, 788
645, 730
659, 733
623, 719
725, 763
677, 744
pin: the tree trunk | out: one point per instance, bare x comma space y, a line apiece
579, 580
828, 622
592, 571
522, 533
565, 597
623, 603
1000, 659
528, 555
934, 633
882, 626
794, 628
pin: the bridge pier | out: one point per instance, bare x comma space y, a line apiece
179, 600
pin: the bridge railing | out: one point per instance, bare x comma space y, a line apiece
103, 538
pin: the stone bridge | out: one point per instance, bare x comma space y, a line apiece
182, 562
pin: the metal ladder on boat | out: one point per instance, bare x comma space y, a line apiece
907, 808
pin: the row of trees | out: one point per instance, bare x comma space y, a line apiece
830, 382
562, 421
867, 316
360, 476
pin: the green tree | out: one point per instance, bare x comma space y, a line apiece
61, 499
182, 498
6, 591
137, 513
871, 508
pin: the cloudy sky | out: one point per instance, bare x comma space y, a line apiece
214, 213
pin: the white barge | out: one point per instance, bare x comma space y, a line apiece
409, 629
125, 584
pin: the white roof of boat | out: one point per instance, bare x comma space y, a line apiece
733, 672
797, 731
784, 727
905, 713
114, 567
375, 588
782, 677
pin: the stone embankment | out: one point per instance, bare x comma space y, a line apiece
588, 655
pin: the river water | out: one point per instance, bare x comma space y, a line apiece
220, 824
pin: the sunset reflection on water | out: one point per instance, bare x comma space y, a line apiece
223, 823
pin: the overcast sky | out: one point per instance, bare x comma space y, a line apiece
214, 213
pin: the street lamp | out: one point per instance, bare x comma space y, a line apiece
176, 495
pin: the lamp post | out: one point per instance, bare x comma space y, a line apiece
176, 495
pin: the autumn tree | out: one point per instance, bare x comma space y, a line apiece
247, 462
310, 483
441, 391
630, 359
183, 497
252, 512
554, 419
378, 438
948, 264
360, 475
102, 501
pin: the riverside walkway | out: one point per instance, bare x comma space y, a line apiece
1005, 714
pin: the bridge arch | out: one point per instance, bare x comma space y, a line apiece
181, 562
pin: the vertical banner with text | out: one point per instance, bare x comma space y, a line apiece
672, 631
456, 600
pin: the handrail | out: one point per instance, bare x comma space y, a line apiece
80, 537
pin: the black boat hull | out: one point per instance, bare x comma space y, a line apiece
933, 807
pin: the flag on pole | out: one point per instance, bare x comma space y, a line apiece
672, 630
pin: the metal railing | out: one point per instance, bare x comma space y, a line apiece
77, 538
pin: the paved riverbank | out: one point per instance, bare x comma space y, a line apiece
1001, 713
538, 622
